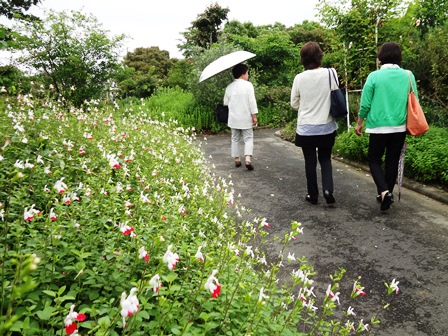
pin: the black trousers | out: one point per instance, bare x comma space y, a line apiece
317, 148
391, 144
324, 156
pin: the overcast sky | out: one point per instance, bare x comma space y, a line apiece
159, 22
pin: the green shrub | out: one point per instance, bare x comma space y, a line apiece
426, 157
352, 147
425, 160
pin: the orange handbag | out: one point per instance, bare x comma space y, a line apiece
416, 123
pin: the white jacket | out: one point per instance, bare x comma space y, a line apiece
240, 97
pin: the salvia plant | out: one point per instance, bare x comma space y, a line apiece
115, 224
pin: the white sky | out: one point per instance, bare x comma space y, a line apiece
159, 22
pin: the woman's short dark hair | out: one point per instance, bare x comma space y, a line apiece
239, 69
389, 52
311, 55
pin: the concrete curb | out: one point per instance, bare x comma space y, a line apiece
430, 191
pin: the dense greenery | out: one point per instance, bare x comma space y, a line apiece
113, 223
72, 53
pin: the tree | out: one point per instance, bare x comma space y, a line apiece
72, 53
357, 25
180, 74
150, 67
14, 9
204, 30
143, 59
430, 13
10, 78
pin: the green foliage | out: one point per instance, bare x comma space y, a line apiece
431, 14
10, 77
72, 53
96, 206
352, 147
182, 75
150, 71
433, 65
204, 31
425, 159
177, 104
274, 106
17, 8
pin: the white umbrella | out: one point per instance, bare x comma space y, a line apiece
225, 62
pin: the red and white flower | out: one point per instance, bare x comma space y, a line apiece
213, 285
334, 297
155, 283
126, 229
113, 161
199, 255
265, 223
60, 186
69, 321
394, 286
129, 305
358, 290
66, 199
29, 214
142, 254
170, 258
53, 216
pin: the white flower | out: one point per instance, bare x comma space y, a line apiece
156, 283
262, 295
129, 305
170, 258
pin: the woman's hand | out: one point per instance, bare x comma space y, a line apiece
254, 120
358, 127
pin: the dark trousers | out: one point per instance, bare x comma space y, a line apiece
391, 144
324, 157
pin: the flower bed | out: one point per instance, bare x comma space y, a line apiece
112, 223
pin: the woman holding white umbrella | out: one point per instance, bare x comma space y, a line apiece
240, 98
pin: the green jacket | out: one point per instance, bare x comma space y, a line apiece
384, 97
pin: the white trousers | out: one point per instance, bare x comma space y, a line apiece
248, 138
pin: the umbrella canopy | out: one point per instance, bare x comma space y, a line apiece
225, 62
401, 169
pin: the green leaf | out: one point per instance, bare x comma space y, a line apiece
45, 314
50, 293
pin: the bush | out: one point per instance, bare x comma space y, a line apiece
425, 158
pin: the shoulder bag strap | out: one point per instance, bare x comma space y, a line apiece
334, 76
329, 78
411, 87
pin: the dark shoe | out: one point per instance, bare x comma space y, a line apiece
249, 166
378, 198
311, 200
237, 164
328, 195
387, 201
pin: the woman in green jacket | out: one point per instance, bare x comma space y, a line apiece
384, 107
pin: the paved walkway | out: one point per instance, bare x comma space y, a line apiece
409, 242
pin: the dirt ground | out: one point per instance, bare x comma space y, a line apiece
409, 242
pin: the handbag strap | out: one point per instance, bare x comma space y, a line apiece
334, 76
411, 87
